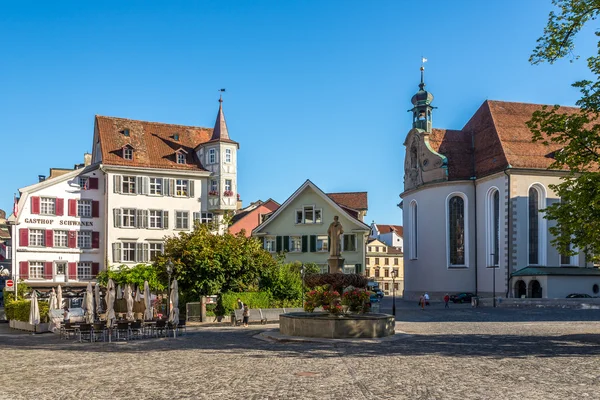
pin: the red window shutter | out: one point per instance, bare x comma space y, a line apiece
72, 270
60, 207
49, 238
72, 239
95, 209
93, 183
23, 270
95, 269
24, 237
95, 240
48, 270
72, 208
35, 205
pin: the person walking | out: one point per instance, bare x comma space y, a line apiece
426, 297
446, 300
246, 315
66, 315
422, 302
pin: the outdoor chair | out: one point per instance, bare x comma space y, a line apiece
136, 330
67, 330
160, 329
86, 332
123, 331
99, 332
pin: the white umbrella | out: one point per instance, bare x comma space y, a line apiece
52, 300
148, 314
97, 298
34, 310
138, 296
59, 297
119, 292
110, 303
174, 316
89, 303
129, 300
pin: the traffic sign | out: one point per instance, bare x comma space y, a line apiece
10, 283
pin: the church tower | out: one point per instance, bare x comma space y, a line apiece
219, 156
422, 108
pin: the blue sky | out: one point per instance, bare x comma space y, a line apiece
315, 89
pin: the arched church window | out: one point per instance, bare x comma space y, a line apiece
493, 226
534, 225
413, 230
456, 230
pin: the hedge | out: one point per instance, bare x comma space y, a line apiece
19, 310
252, 299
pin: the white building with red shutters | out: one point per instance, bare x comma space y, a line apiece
59, 230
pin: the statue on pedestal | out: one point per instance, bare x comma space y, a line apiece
335, 230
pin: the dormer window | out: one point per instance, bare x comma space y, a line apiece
128, 152
176, 137
180, 158
125, 132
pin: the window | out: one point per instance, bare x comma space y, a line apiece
395, 286
125, 132
322, 243
376, 272
128, 184
370, 249
536, 225
227, 185
47, 206
155, 250
128, 218
181, 187
295, 243
270, 244
386, 261
83, 182
493, 226
36, 270
84, 239
36, 237
84, 208
349, 269
228, 156
156, 185
377, 249
182, 220
396, 272
308, 215
60, 238
386, 286
368, 272
128, 253
155, 219
206, 218
413, 236
181, 158
212, 156
456, 230
127, 153
84, 270
395, 261
376, 260
61, 268
386, 272
349, 242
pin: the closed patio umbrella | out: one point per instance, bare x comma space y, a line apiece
148, 314
34, 310
97, 298
52, 300
129, 300
89, 304
138, 296
119, 292
59, 297
110, 303
174, 316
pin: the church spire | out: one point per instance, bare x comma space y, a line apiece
220, 130
422, 104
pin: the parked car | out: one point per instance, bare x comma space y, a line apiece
464, 297
579, 296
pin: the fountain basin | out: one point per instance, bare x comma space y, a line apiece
325, 325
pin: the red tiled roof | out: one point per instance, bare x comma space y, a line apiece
354, 200
390, 228
154, 143
495, 137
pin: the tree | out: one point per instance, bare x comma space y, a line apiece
207, 264
135, 275
575, 133
284, 281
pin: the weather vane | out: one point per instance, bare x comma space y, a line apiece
221, 95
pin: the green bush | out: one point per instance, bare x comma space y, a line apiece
252, 299
19, 310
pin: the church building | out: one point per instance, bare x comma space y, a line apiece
472, 208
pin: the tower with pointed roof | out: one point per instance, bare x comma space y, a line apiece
219, 156
422, 107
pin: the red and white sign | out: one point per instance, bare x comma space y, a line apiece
9, 283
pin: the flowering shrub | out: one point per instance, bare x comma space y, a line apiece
328, 299
355, 299
228, 193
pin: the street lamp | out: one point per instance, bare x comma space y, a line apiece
394, 273
169, 272
302, 273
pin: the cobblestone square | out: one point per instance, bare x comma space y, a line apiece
460, 353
